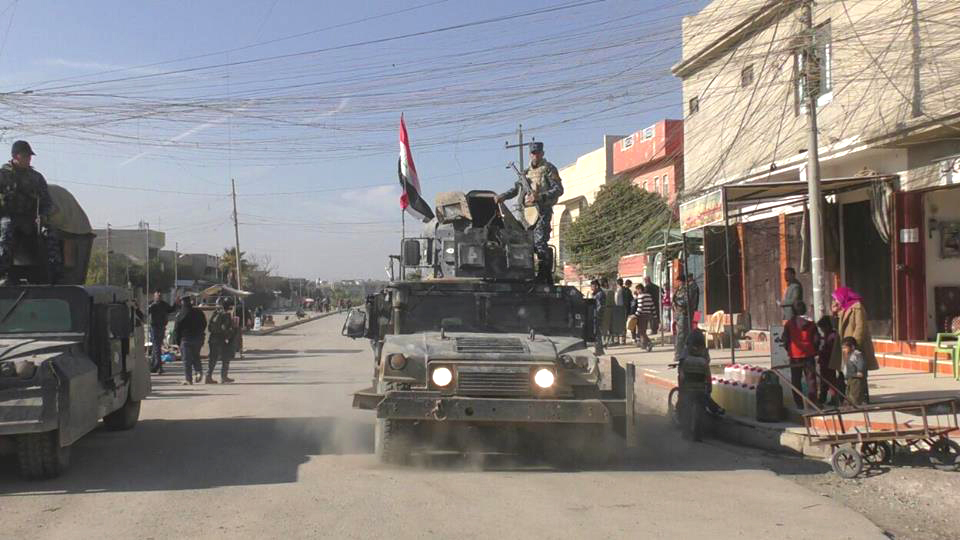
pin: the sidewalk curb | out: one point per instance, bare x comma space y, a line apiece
652, 390
284, 326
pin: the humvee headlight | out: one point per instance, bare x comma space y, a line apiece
543, 378
397, 361
442, 376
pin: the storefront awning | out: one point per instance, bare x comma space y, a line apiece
752, 193
731, 202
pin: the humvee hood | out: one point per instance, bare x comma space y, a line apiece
500, 347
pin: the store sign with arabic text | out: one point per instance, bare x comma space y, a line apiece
702, 211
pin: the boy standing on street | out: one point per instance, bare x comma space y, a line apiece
800, 339
856, 369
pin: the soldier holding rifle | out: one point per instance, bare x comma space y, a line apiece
539, 187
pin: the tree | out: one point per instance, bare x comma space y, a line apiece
124, 272
228, 265
622, 220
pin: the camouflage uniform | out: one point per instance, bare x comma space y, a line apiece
23, 198
221, 330
545, 181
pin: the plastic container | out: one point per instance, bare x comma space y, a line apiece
728, 372
751, 401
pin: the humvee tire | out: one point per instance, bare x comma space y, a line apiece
41, 456
123, 418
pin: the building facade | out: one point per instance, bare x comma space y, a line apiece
135, 244
652, 158
887, 105
582, 180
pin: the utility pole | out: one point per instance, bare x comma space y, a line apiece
146, 261
811, 89
519, 146
108, 254
236, 232
176, 269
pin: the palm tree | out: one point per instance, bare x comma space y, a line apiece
228, 266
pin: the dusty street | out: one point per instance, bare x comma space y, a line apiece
281, 454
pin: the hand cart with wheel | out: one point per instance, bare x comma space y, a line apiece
870, 434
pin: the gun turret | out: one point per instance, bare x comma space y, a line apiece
472, 236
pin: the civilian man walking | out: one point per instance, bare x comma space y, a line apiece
159, 312
188, 331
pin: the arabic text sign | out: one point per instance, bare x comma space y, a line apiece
702, 211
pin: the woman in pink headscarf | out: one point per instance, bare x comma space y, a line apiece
851, 322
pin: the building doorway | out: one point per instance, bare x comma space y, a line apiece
866, 263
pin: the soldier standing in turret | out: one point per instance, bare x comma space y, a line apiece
545, 189
25, 207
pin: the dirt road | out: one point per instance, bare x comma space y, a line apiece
282, 454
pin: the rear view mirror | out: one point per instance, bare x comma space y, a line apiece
356, 324
411, 252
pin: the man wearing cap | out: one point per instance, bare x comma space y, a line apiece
545, 189
25, 207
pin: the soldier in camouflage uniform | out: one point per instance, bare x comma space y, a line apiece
222, 330
546, 189
25, 208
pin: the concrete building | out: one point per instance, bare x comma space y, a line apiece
582, 180
132, 243
652, 158
192, 266
889, 110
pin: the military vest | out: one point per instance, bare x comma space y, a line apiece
220, 324
19, 192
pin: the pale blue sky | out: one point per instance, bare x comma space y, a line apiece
291, 97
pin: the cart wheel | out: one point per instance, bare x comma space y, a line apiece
945, 454
876, 453
673, 398
846, 462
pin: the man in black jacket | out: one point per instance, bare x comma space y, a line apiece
188, 331
159, 312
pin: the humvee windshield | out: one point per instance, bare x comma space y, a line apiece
490, 313
40, 315
26, 310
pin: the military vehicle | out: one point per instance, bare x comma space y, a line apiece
70, 355
465, 340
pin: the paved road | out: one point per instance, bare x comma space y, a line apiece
282, 454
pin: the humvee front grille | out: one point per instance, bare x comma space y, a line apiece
493, 383
489, 345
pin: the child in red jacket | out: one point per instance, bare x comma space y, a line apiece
801, 340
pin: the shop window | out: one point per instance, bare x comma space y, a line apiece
626, 143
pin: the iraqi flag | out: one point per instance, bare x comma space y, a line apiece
410, 200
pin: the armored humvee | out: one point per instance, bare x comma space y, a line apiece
475, 344
69, 355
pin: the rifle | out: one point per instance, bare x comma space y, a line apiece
529, 214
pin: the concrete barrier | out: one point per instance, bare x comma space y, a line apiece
652, 392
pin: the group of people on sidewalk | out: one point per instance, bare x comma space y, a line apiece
626, 309
190, 330
831, 358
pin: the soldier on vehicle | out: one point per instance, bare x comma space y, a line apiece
222, 331
25, 208
545, 189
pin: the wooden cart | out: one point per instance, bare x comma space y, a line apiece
870, 434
